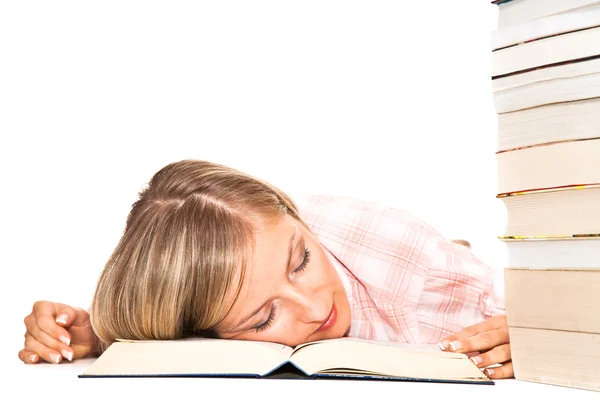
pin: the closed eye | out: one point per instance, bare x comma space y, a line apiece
305, 261
268, 322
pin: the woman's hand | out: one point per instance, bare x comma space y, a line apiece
56, 332
489, 341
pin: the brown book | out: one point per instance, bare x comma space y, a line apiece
553, 357
554, 325
572, 81
565, 212
570, 21
546, 52
550, 123
517, 12
549, 166
566, 299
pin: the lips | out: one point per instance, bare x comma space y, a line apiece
330, 321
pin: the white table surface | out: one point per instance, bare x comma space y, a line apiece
46, 381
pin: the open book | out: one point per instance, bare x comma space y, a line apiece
335, 358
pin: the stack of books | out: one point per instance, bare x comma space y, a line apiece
546, 89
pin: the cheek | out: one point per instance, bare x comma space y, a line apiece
325, 271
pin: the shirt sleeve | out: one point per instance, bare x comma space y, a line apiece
460, 291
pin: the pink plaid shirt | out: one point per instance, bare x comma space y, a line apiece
405, 281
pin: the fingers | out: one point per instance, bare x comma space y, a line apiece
497, 355
44, 338
48, 333
462, 242
63, 314
76, 316
32, 346
51, 349
503, 372
493, 323
28, 357
481, 342
496, 322
52, 330
461, 335
488, 341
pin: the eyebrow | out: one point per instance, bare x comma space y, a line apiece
289, 260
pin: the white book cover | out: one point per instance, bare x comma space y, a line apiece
546, 52
554, 253
520, 11
571, 21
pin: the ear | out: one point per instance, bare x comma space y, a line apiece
462, 242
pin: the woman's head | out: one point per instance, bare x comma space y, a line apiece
211, 251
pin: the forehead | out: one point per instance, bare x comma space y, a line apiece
271, 243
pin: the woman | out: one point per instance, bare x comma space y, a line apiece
210, 251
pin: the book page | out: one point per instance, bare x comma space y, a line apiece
194, 356
384, 358
281, 347
413, 347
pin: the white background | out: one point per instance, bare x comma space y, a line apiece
386, 100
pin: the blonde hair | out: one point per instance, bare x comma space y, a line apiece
185, 241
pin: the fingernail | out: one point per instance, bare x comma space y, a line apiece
67, 354
55, 358
488, 371
443, 344
33, 358
455, 345
62, 319
476, 360
64, 339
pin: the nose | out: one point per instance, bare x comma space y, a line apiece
309, 308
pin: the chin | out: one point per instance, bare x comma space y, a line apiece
341, 328
344, 328
339, 334
344, 318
